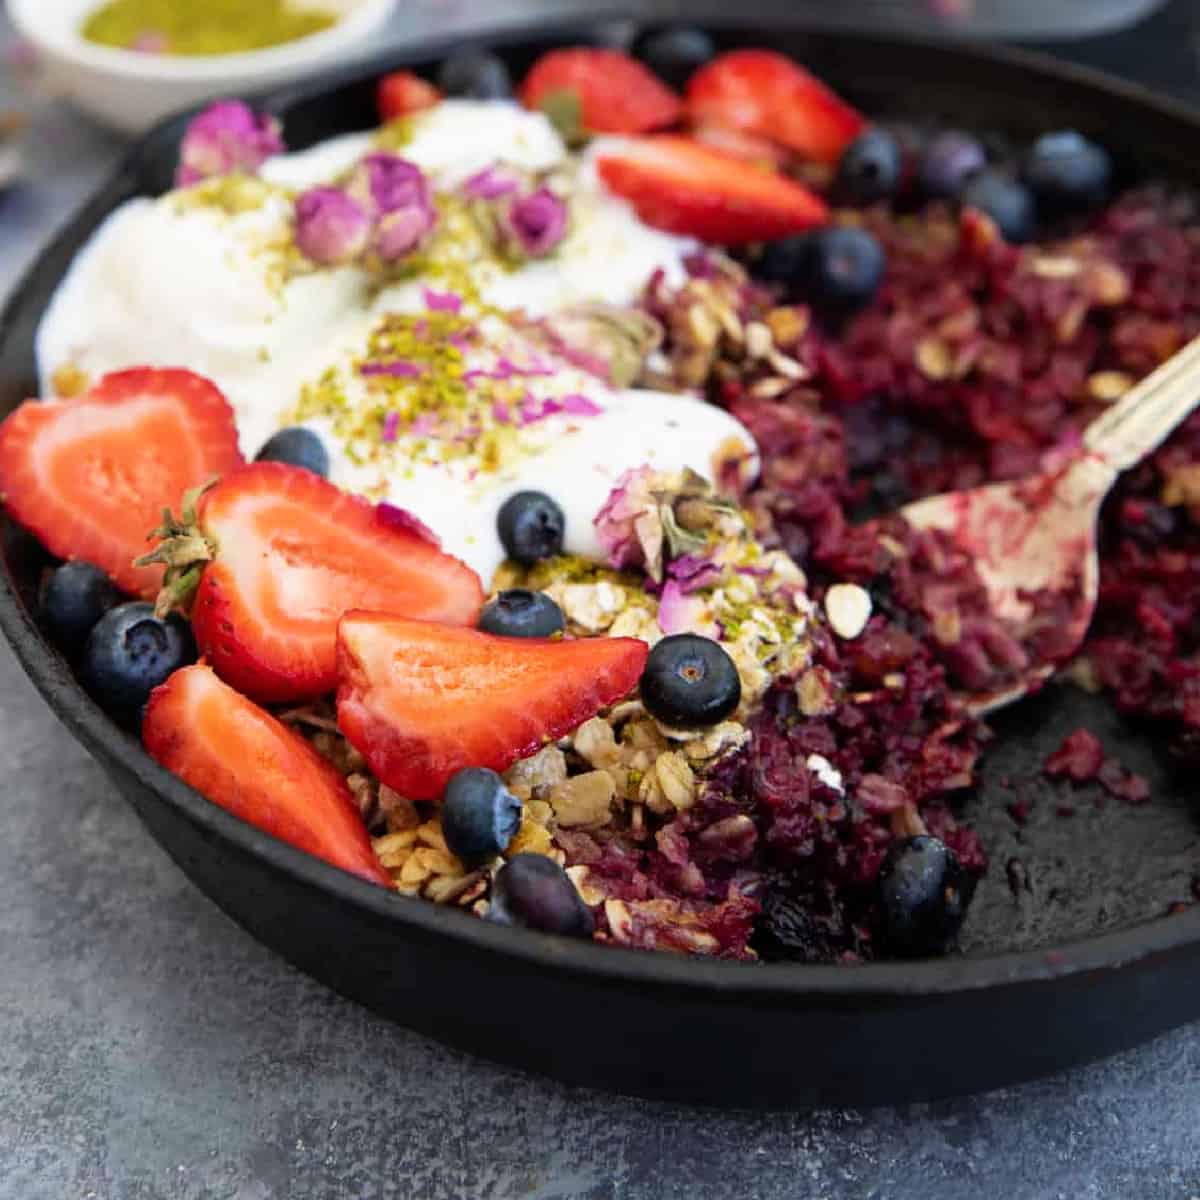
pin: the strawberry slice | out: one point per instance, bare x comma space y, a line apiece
90, 476
766, 94
401, 93
679, 185
243, 759
421, 701
294, 552
599, 91
758, 150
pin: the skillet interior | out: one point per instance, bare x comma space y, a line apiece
861, 1034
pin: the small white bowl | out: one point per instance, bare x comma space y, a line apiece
131, 91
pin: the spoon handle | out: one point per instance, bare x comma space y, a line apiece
1143, 418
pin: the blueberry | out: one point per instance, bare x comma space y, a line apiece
534, 891
531, 527
475, 75
298, 447
923, 894
75, 597
480, 816
836, 269
951, 158
1068, 173
674, 54
869, 170
690, 681
129, 653
518, 612
1007, 201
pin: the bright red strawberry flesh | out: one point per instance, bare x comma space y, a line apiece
294, 553
421, 701
242, 758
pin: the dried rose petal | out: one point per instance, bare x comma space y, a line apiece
331, 227
537, 222
227, 136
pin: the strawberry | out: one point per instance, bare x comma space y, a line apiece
90, 476
766, 94
758, 150
593, 90
401, 92
421, 701
243, 759
280, 554
678, 184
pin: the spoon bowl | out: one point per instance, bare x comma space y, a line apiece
1038, 534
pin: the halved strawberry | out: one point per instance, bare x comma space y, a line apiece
758, 150
292, 553
243, 759
91, 476
599, 91
421, 701
401, 92
766, 94
677, 184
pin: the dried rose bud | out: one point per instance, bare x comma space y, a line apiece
399, 233
227, 136
491, 183
331, 227
537, 222
386, 183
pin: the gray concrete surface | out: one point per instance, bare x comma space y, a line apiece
149, 1049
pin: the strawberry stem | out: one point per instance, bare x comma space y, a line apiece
184, 549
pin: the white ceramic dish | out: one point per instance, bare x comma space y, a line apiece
131, 91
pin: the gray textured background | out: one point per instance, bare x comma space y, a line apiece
149, 1048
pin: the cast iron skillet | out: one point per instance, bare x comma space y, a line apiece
1068, 954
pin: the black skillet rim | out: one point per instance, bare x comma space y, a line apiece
762, 981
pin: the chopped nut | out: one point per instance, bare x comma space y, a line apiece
816, 692
1107, 284
535, 776
532, 838
430, 835
716, 741
584, 799
768, 389
676, 780
732, 838
591, 606
848, 608
1067, 327
362, 788
703, 325
934, 358
789, 368
787, 324
446, 889
437, 862
595, 743
947, 626
394, 849
583, 879
1055, 266
399, 811
758, 339
1108, 386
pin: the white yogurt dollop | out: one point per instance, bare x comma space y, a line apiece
171, 283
